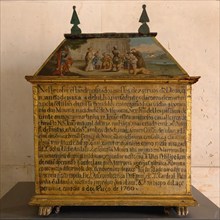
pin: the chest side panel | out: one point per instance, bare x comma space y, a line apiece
112, 138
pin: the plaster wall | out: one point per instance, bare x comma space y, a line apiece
31, 30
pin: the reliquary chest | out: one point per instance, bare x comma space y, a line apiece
112, 124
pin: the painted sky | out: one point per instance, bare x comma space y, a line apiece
146, 45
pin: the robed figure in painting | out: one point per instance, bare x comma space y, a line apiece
89, 60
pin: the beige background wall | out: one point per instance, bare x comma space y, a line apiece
31, 30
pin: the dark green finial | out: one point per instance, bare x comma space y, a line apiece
75, 21
144, 29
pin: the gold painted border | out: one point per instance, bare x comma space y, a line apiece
130, 200
52, 79
188, 137
36, 159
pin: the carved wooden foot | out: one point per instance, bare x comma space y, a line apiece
181, 210
167, 210
57, 209
45, 210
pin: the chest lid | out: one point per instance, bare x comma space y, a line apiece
111, 56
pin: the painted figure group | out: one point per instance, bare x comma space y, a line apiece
64, 62
132, 60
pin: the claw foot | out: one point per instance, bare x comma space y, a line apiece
45, 210
167, 210
57, 209
181, 210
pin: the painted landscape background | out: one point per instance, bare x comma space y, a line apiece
111, 57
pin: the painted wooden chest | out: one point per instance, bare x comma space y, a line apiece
112, 125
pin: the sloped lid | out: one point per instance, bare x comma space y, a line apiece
110, 56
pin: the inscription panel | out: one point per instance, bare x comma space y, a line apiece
111, 138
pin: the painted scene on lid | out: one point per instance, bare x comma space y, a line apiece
140, 57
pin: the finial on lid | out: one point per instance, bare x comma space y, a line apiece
75, 21
144, 29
